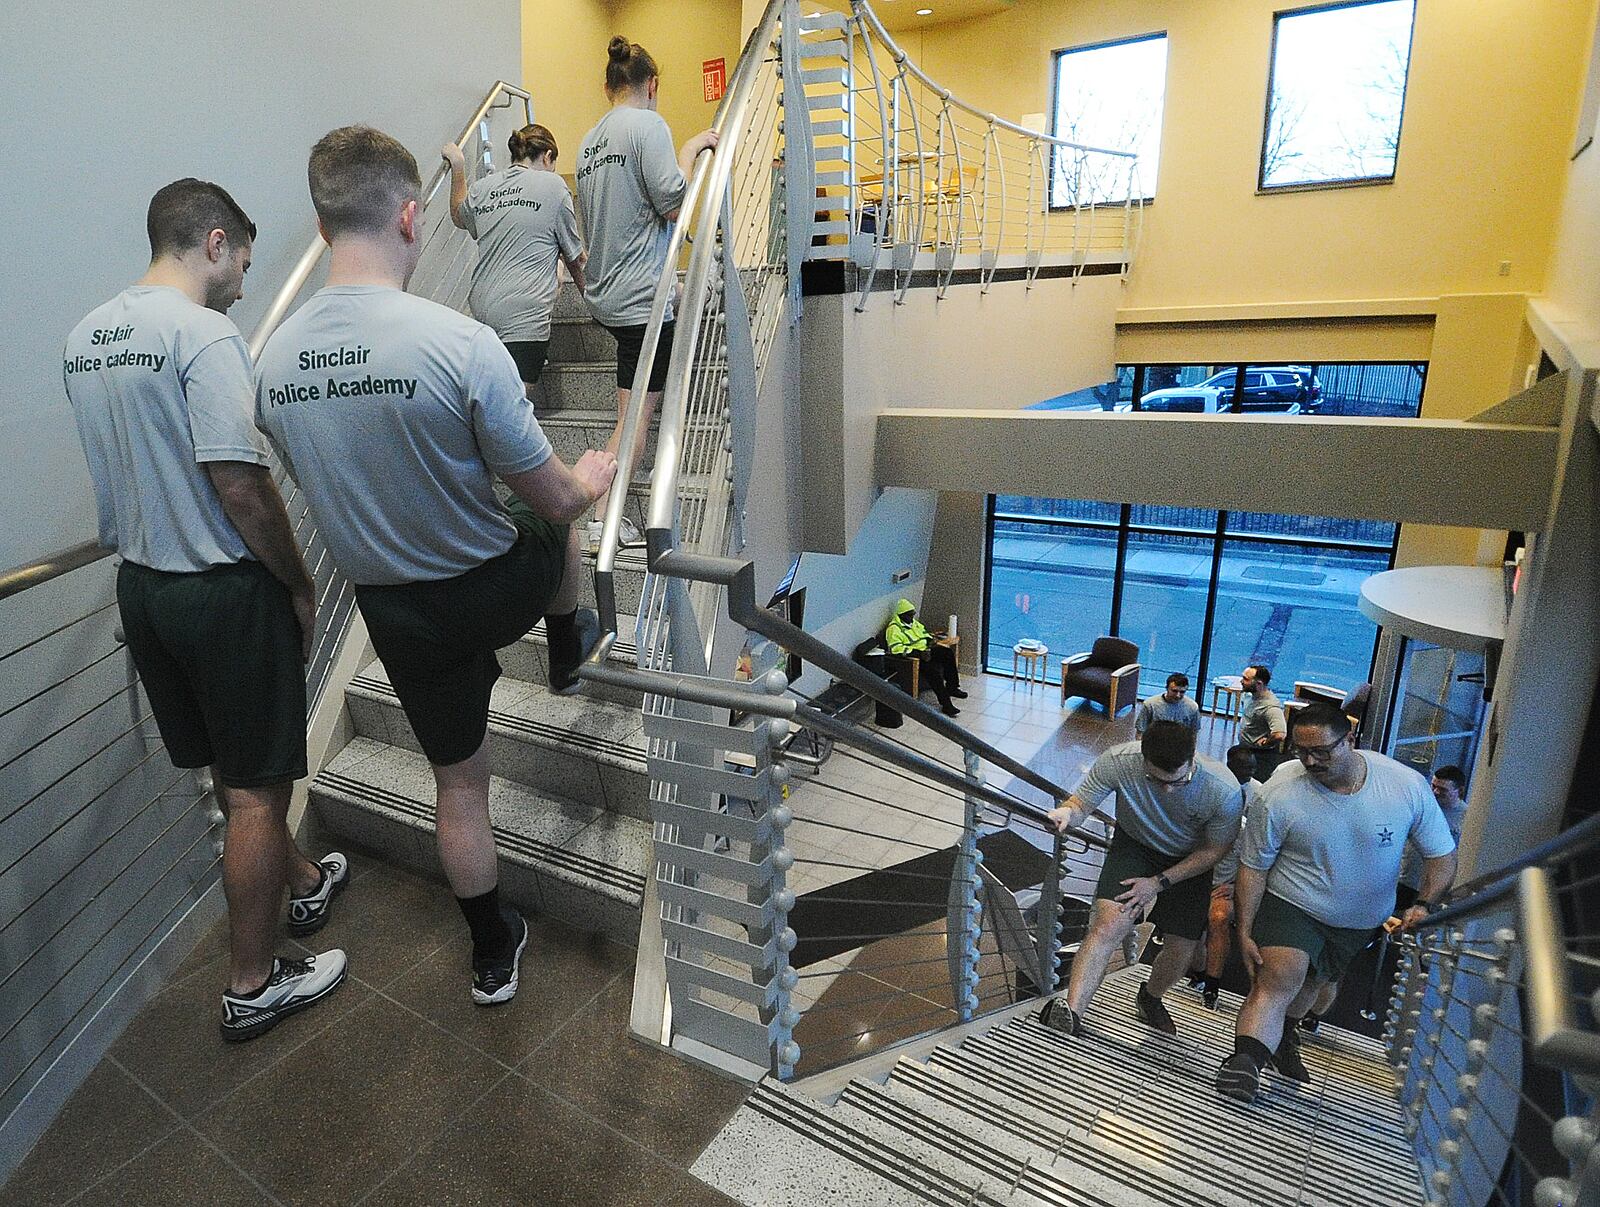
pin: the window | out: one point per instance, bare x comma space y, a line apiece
1108, 96
1336, 94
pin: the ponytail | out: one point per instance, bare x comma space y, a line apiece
628, 66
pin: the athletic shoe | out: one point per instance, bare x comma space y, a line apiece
950, 710
958, 693
494, 982
1154, 1012
1311, 1022
1209, 995
628, 535
564, 680
1287, 1058
309, 914
293, 986
1059, 1016
1238, 1078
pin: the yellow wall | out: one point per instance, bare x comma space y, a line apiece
564, 58
1489, 109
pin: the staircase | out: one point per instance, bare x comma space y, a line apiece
1120, 1115
569, 798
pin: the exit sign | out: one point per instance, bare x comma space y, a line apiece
714, 75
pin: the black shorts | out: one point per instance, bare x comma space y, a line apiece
530, 355
218, 652
630, 342
1330, 949
438, 639
1180, 911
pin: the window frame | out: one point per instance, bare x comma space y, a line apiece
1263, 189
1056, 56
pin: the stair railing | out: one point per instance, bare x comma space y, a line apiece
915, 179
1492, 1032
715, 974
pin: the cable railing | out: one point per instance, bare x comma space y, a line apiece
1492, 1031
911, 178
101, 836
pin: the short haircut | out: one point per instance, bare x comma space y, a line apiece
1451, 774
628, 65
531, 142
1242, 755
1178, 679
360, 177
184, 212
1263, 673
1167, 745
1322, 715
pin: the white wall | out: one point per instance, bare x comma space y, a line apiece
107, 102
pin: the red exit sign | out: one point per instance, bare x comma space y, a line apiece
714, 75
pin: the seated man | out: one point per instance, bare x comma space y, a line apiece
1262, 725
1171, 705
1317, 878
906, 637
1177, 815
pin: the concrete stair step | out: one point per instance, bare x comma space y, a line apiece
529, 661
558, 856
576, 747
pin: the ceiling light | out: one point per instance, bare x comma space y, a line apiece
924, 12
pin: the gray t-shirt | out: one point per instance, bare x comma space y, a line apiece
1263, 717
1228, 866
523, 221
1158, 708
391, 411
1338, 857
1172, 821
628, 182
159, 386
1411, 868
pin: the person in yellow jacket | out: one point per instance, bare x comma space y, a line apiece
908, 637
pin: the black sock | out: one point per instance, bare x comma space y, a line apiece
562, 634
491, 936
1290, 1022
1249, 1045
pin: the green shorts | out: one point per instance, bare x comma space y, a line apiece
1331, 948
437, 639
1180, 911
218, 653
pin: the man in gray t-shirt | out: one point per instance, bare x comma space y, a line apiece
215, 603
1262, 725
630, 187
394, 414
1173, 704
1317, 879
1177, 814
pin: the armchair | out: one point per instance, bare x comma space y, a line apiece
1107, 674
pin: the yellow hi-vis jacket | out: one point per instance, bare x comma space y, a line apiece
904, 635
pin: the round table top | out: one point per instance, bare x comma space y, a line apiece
1030, 651
1460, 607
1230, 683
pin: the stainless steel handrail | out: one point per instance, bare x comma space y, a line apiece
31, 574
863, 12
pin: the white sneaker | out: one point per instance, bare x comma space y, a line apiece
628, 535
309, 914
293, 986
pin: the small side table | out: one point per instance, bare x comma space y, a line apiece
1034, 663
1228, 690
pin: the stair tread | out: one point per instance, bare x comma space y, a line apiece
564, 837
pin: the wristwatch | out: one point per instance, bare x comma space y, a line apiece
1163, 882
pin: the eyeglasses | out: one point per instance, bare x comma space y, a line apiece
1174, 781
1318, 754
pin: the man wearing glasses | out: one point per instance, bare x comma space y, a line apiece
1317, 875
1176, 815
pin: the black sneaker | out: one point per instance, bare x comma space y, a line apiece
293, 985
1209, 995
1059, 1016
1311, 1022
494, 982
564, 679
1287, 1058
1238, 1078
1154, 1012
958, 693
309, 914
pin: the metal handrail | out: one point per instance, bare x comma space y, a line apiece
42, 570
863, 12
1477, 894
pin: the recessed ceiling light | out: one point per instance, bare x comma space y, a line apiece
924, 12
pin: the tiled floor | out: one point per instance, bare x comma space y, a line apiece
397, 1090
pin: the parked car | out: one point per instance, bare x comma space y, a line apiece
1285, 389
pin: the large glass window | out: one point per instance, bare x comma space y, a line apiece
1108, 96
1165, 578
1051, 582
1336, 94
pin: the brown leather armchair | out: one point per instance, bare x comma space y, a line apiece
1108, 674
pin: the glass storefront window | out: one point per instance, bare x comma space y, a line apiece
1165, 579
1051, 583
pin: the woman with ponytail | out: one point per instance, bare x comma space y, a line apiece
631, 186
523, 221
